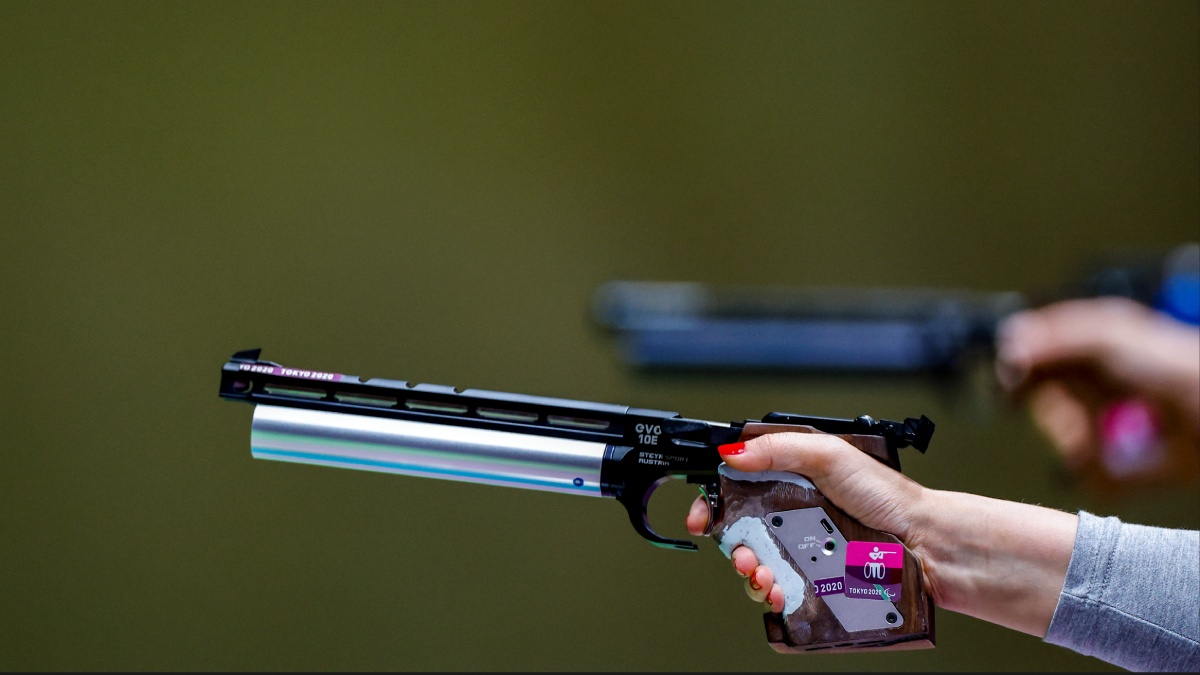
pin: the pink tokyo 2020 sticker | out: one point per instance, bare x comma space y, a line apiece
873, 570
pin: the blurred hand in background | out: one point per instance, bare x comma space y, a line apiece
1112, 383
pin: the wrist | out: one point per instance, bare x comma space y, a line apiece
926, 539
999, 561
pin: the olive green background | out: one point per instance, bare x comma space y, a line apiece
431, 191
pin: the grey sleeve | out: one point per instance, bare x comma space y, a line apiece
1132, 596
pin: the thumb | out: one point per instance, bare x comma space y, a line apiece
813, 455
860, 485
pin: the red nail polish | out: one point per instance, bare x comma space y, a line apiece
731, 449
754, 581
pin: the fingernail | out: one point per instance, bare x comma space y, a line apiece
731, 449
1009, 375
754, 581
1010, 340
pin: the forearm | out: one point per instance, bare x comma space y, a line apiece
1130, 596
995, 560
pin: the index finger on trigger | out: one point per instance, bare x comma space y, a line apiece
697, 517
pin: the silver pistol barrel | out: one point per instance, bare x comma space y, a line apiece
427, 450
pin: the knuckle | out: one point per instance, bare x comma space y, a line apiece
770, 444
1119, 307
826, 452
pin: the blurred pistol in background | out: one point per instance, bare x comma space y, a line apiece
693, 326
669, 327
847, 587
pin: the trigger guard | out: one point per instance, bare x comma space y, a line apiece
635, 502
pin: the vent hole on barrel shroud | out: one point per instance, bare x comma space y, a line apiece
577, 422
435, 406
507, 415
295, 392
366, 399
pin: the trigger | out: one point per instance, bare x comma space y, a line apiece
711, 493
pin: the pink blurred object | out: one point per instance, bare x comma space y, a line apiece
1132, 444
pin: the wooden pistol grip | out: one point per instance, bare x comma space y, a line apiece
814, 624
